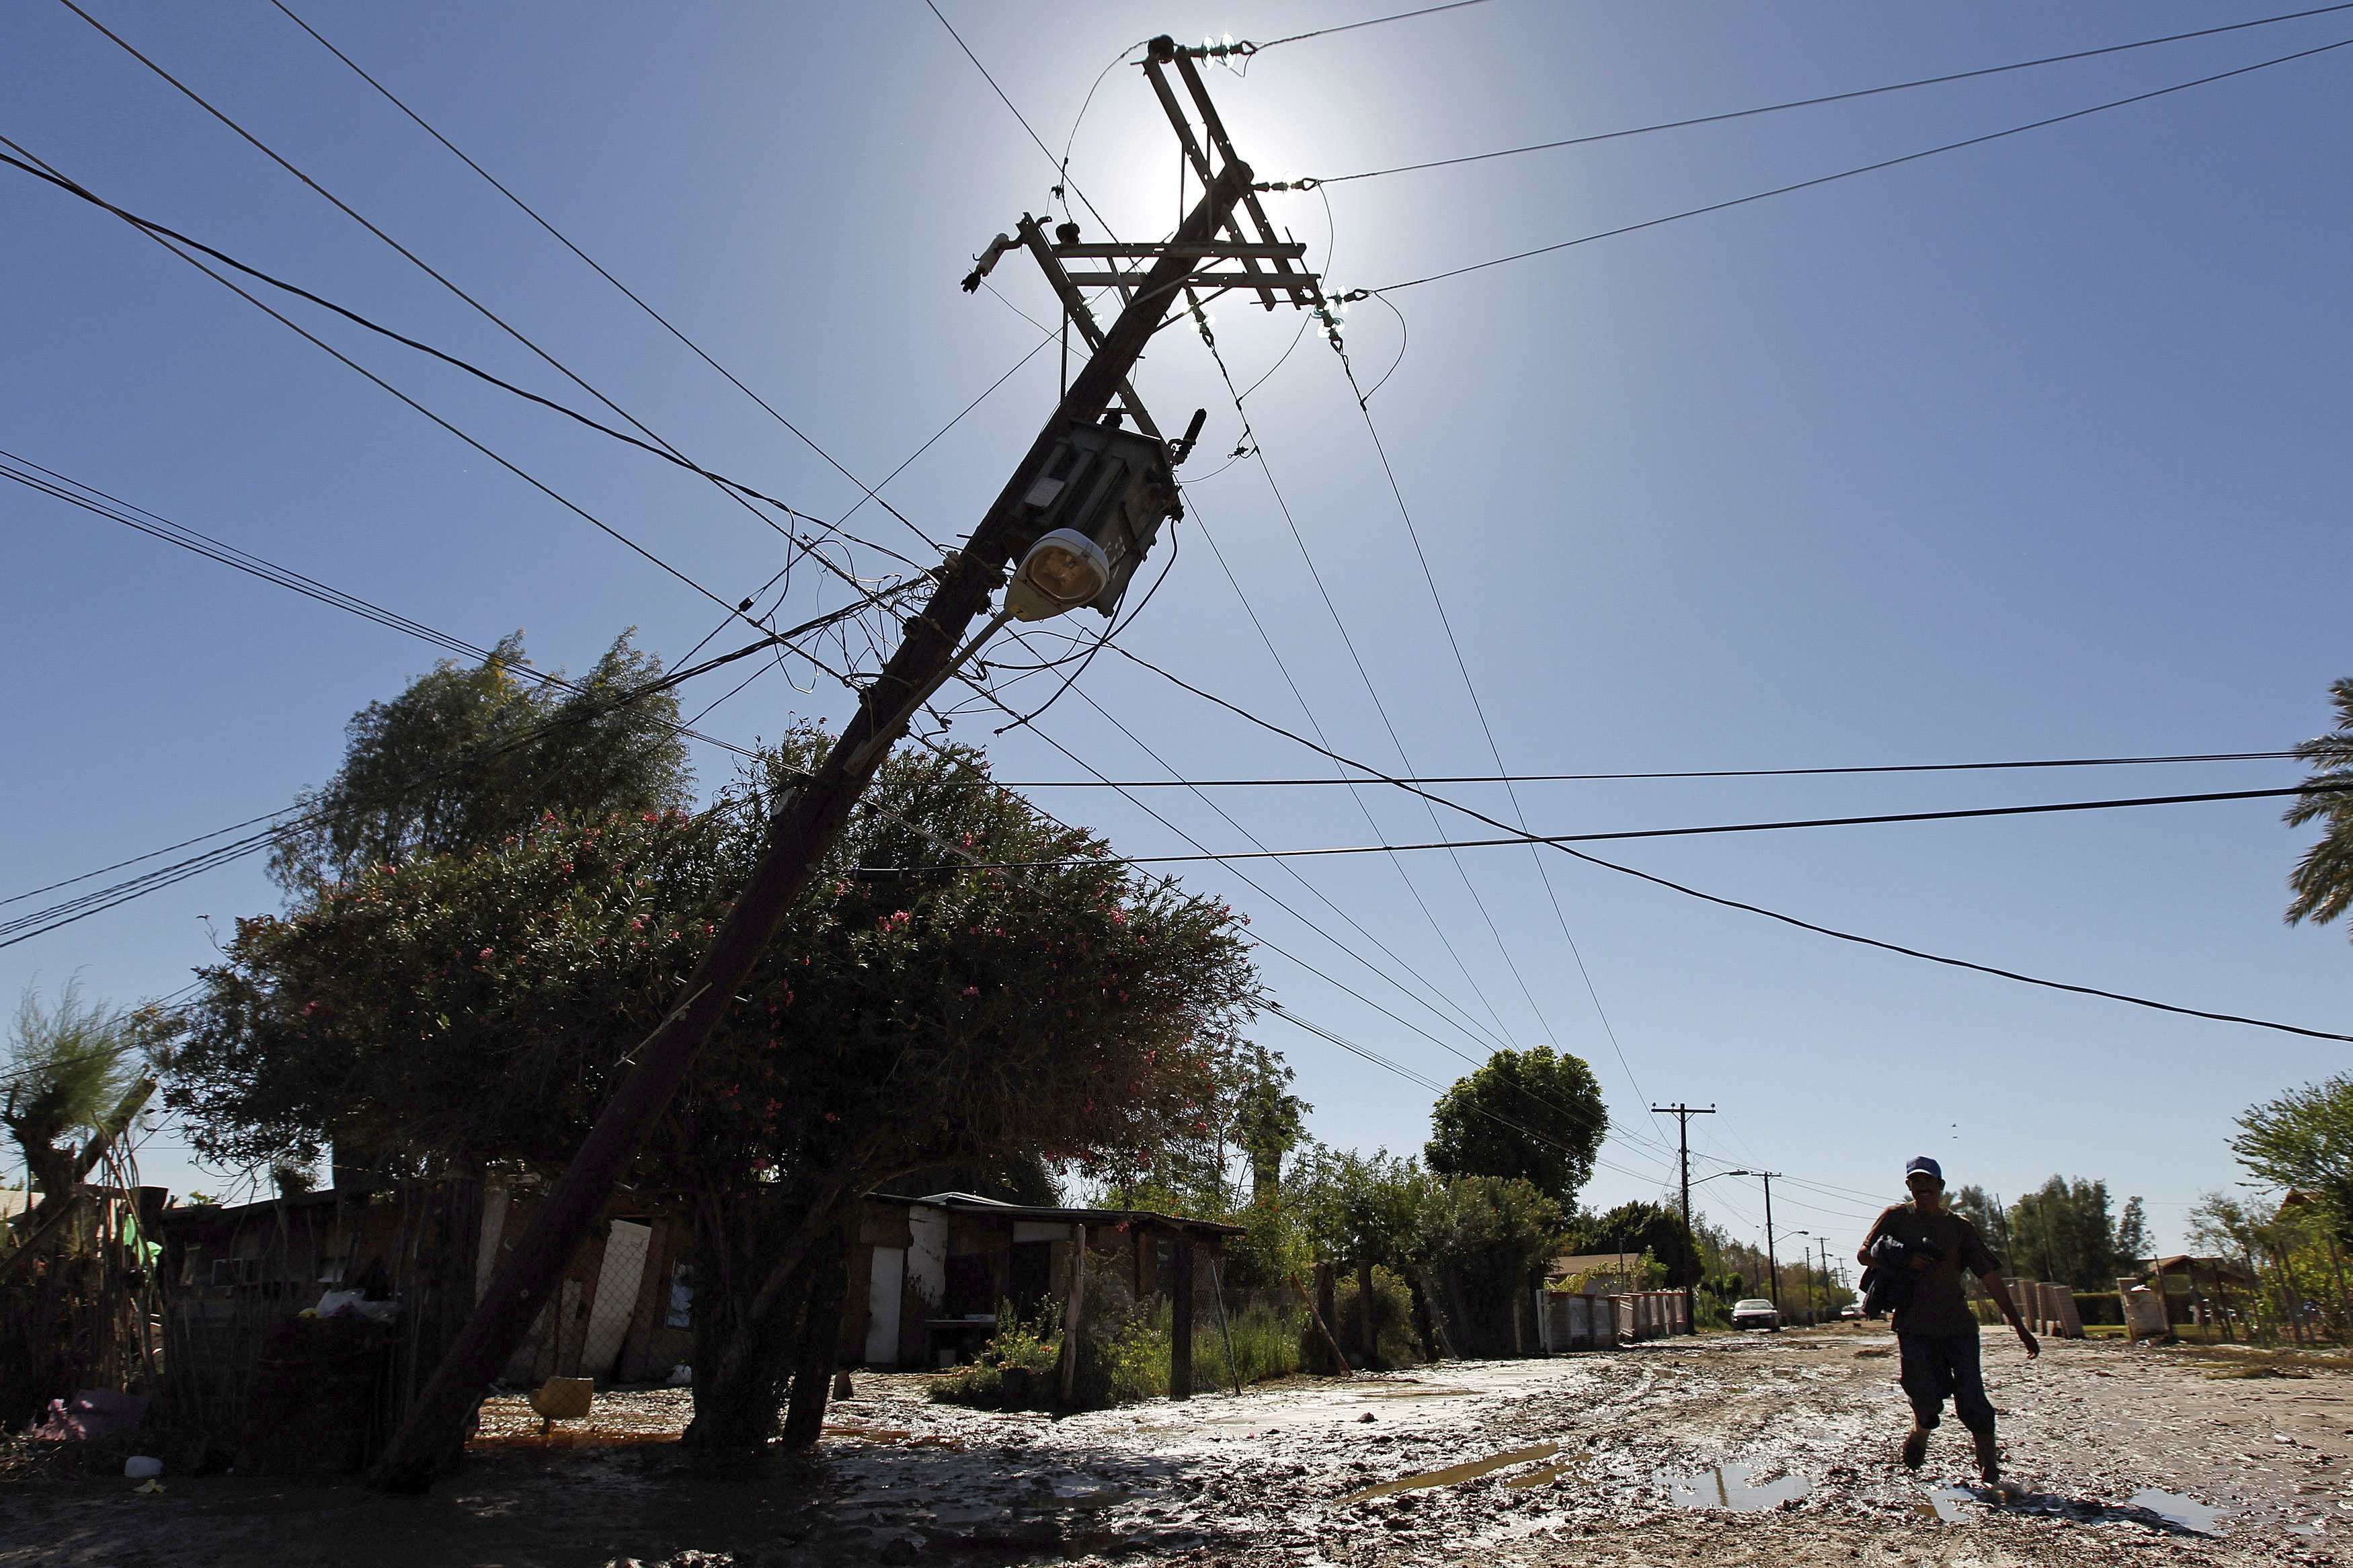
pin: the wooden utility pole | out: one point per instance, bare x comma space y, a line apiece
809, 820
1772, 1269
1683, 1115
800, 832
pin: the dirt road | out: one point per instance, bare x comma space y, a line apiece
1761, 1449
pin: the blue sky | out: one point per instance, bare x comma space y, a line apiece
2034, 449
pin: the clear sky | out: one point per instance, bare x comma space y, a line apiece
2032, 449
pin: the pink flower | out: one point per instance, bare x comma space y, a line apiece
972, 990
485, 955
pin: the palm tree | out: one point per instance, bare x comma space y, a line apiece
70, 1071
2323, 879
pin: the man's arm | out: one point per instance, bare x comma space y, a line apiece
1863, 1255
1992, 1278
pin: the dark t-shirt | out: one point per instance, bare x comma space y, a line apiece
1939, 1305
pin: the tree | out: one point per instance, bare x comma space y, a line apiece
910, 1013
1986, 1212
466, 757
71, 1071
2304, 1139
1487, 1240
1639, 1228
2322, 878
2131, 1241
1534, 1115
1269, 1120
2063, 1232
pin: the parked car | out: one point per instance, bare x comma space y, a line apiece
1755, 1312
1851, 1311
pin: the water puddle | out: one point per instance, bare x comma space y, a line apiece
1728, 1486
1948, 1503
1551, 1472
1455, 1474
2174, 1509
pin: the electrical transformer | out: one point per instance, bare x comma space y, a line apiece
1113, 486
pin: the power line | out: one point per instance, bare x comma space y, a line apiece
1479, 708
1689, 774
1522, 836
1299, 696
1380, 707
1863, 169
561, 239
1719, 900
573, 506
1462, 1018
973, 860
1312, 182
164, 231
411, 257
1352, 27
42, 921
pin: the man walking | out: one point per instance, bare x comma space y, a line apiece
1935, 1331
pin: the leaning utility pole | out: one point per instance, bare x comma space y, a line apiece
806, 822
1683, 1115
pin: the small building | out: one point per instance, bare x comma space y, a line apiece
937, 1267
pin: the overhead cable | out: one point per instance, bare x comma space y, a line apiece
1861, 169
561, 239
1686, 774
668, 456
411, 257
1352, 27
1729, 903
1524, 838
1313, 182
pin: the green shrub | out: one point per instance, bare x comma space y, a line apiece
1017, 1369
1266, 1345
1396, 1343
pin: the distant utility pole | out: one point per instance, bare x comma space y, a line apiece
1824, 1242
1683, 1115
1075, 471
1772, 1269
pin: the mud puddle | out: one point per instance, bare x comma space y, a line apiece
1730, 1486
2175, 1508
1455, 1475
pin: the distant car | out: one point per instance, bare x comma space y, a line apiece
1851, 1311
1756, 1312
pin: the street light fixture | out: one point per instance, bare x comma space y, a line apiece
1062, 571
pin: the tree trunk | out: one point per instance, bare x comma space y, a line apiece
821, 1335
1369, 1328
1424, 1327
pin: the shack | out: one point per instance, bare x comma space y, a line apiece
937, 1267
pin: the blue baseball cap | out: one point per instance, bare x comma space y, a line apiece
1924, 1163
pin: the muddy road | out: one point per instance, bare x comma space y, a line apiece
1758, 1450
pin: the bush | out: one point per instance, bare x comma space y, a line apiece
1017, 1369
1395, 1342
1267, 1337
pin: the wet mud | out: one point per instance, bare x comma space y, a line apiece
1723, 1451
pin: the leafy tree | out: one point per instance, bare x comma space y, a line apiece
466, 757
2132, 1235
1269, 1119
1534, 1115
2304, 1139
1487, 1240
2064, 1232
909, 1012
1985, 1211
1639, 1227
2322, 878
70, 1072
